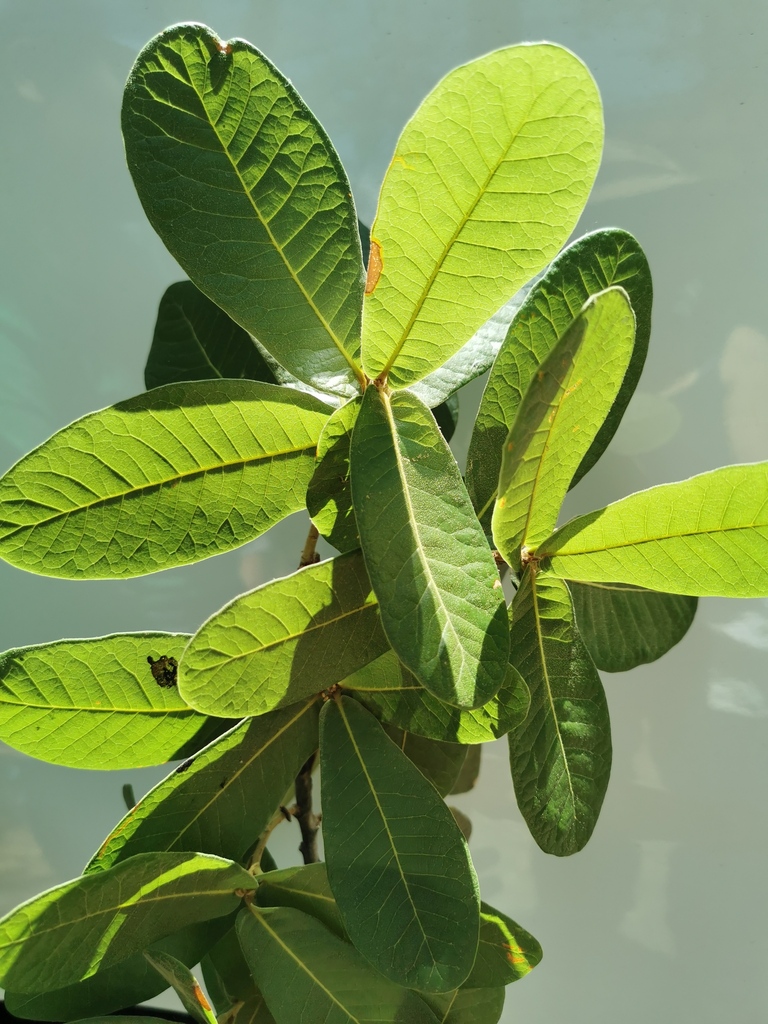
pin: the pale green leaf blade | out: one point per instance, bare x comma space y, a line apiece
506, 951
246, 190
440, 597
397, 863
391, 693
308, 975
705, 537
284, 641
329, 495
95, 703
468, 1006
439, 761
563, 409
195, 340
487, 182
561, 755
589, 265
303, 888
469, 772
223, 798
68, 933
169, 477
184, 984
624, 626
231, 986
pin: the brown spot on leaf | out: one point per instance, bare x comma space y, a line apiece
375, 267
200, 997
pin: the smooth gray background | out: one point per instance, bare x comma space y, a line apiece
662, 916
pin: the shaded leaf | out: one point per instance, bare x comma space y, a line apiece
441, 602
307, 974
389, 690
231, 986
120, 1019
463, 821
245, 189
167, 478
221, 800
69, 932
447, 416
303, 888
468, 1006
284, 641
329, 495
706, 537
437, 760
488, 180
562, 411
184, 984
561, 755
587, 266
397, 863
624, 626
469, 772
506, 951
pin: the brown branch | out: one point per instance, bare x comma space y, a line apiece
309, 822
309, 556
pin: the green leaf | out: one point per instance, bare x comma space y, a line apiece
121, 1019
487, 182
195, 340
167, 478
231, 986
463, 821
128, 983
469, 773
447, 416
397, 863
95, 703
306, 889
442, 606
506, 951
391, 693
437, 760
329, 495
624, 626
184, 984
307, 974
562, 411
245, 189
285, 640
589, 265
706, 536
69, 932
561, 755
468, 1006
221, 800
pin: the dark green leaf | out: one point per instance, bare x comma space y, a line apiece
222, 799
184, 984
169, 477
284, 641
441, 601
306, 889
231, 986
624, 626
463, 821
590, 265
438, 761
506, 951
329, 496
447, 416
468, 1006
561, 755
397, 862
120, 1019
469, 773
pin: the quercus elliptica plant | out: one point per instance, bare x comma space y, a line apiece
289, 372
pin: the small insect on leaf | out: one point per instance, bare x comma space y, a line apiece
164, 670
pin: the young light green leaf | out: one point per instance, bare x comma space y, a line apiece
307, 974
521, 130
230, 985
562, 411
437, 760
284, 641
468, 1006
169, 477
95, 703
706, 537
221, 800
469, 773
397, 863
391, 693
590, 265
561, 755
506, 951
195, 340
441, 602
244, 187
624, 626
306, 889
68, 933
184, 984
329, 495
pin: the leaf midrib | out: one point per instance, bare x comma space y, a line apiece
650, 540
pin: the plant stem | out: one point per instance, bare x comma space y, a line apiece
309, 556
309, 822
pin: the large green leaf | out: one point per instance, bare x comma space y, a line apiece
397, 863
69, 932
195, 340
468, 1006
306, 889
706, 536
184, 984
163, 479
562, 411
506, 952
329, 495
561, 755
487, 182
441, 601
624, 626
308, 975
230, 985
389, 690
95, 703
247, 192
284, 641
588, 266
222, 799
469, 772
437, 760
